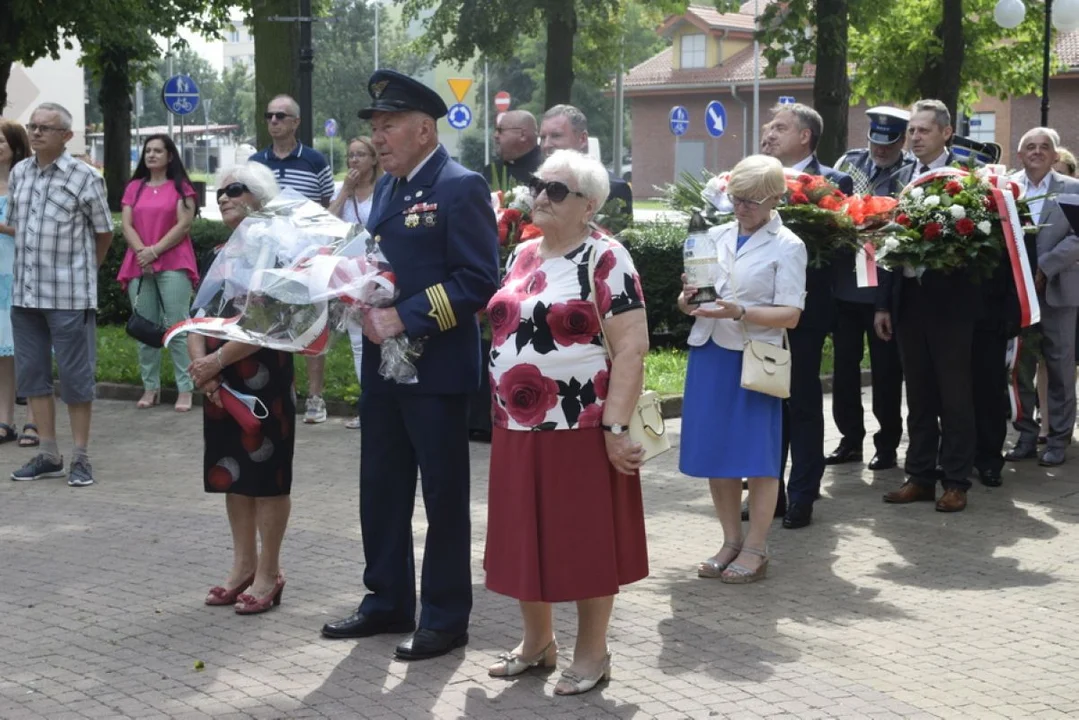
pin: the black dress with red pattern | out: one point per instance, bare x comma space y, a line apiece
259, 464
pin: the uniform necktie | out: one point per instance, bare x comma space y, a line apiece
923, 169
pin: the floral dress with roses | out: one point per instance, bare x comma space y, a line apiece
549, 369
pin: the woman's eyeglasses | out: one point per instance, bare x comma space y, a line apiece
746, 202
556, 191
358, 156
276, 116
233, 190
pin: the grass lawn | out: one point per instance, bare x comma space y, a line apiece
650, 204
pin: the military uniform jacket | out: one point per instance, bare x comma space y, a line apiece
886, 182
438, 233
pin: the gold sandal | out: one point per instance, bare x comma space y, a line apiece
510, 664
713, 568
736, 574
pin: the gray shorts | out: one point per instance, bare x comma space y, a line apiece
72, 335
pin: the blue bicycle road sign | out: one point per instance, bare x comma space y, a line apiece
180, 95
678, 120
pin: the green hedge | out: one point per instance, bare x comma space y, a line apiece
113, 307
656, 248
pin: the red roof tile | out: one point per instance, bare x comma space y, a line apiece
657, 72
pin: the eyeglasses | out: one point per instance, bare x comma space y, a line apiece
358, 155
276, 115
34, 127
556, 191
233, 190
504, 129
751, 204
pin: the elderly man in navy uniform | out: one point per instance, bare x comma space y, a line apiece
433, 220
875, 170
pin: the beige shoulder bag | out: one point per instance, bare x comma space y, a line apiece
646, 424
766, 368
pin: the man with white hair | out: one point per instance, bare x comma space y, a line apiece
63, 230
1056, 280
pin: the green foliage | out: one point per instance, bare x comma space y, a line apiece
656, 248
340, 151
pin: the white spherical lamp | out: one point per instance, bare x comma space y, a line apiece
1009, 13
1066, 15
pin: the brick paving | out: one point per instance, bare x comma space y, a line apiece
874, 611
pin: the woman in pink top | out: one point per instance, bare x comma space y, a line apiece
159, 269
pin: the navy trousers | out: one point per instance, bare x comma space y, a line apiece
803, 416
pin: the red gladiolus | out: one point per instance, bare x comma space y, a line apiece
932, 231
965, 226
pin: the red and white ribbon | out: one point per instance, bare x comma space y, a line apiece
865, 265
1030, 311
1011, 360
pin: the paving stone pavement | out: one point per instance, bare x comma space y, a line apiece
874, 611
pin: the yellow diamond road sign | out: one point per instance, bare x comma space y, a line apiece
459, 86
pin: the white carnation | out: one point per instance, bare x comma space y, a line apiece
958, 212
916, 192
891, 244
931, 201
985, 227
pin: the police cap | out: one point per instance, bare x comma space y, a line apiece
887, 125
984, 153
393, 92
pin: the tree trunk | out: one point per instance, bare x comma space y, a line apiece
831, 86
115, 100
941, 78
5, 74
277, 58
558, 66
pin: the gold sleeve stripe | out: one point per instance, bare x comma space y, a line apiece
441, 310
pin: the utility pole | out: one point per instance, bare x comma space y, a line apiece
307, 66
377, 5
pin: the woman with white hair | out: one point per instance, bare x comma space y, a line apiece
254, 470
565, 521
728, 432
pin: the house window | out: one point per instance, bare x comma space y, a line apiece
983, 127
693, 51
234, 35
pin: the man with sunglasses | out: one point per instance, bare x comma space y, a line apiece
792, 136
519, 153
432, 219
306, 171
63, 230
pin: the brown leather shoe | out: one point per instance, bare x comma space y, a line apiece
952, 500
910, 493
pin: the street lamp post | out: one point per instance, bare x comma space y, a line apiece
1010, 13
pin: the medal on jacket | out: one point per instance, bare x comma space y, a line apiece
412, 220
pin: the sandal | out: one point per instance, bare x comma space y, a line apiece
183, 402
8, 433
26, 439
736, 574
713, 568
148, 400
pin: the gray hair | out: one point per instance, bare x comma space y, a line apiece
293, 106
65, 116
807, 119
1050, 133
589, 174
258, 178
577, 119
942, 117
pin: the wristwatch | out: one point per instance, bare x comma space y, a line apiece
616, 429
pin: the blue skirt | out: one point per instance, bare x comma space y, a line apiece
727, 431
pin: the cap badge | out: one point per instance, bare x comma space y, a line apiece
378, 88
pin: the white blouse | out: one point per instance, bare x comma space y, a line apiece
769, 271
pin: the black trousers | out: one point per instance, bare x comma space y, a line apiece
854, 322
989, 373
936, 350
803, 416
479, 402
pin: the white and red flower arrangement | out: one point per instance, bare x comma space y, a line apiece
513, 211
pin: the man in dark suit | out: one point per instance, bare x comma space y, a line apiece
793, 133
433, 220
519, 154
875, 171
934, 318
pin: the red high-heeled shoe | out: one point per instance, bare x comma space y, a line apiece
248, 604
223, 596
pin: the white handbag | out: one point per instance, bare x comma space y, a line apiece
646, 425
766, 368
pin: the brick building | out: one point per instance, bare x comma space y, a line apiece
711, 58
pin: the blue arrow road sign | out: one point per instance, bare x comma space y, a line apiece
459, 116
715, 118
180, 95
679, 120
786, 99
330, 127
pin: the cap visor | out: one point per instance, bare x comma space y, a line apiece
369, 112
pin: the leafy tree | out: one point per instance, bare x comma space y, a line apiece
31, 30
235, 103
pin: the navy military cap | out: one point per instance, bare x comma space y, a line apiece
887, 124
393, 92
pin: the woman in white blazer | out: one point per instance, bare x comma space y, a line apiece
730, 433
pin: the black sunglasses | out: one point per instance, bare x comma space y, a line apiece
277, 115
233, 190
556, 191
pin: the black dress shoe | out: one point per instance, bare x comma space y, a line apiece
1052, 457
1021, 451
426, 643
781, 510
798, 515
843, 454
881, 461
990, 478
482, 436
358, 625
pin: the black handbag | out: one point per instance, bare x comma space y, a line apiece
144, 330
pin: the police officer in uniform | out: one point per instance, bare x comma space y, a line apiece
433, 220
875, 170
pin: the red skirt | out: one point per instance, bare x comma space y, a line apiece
562, 523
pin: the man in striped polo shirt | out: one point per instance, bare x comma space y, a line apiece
306, 171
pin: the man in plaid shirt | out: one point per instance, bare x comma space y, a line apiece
63, 229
